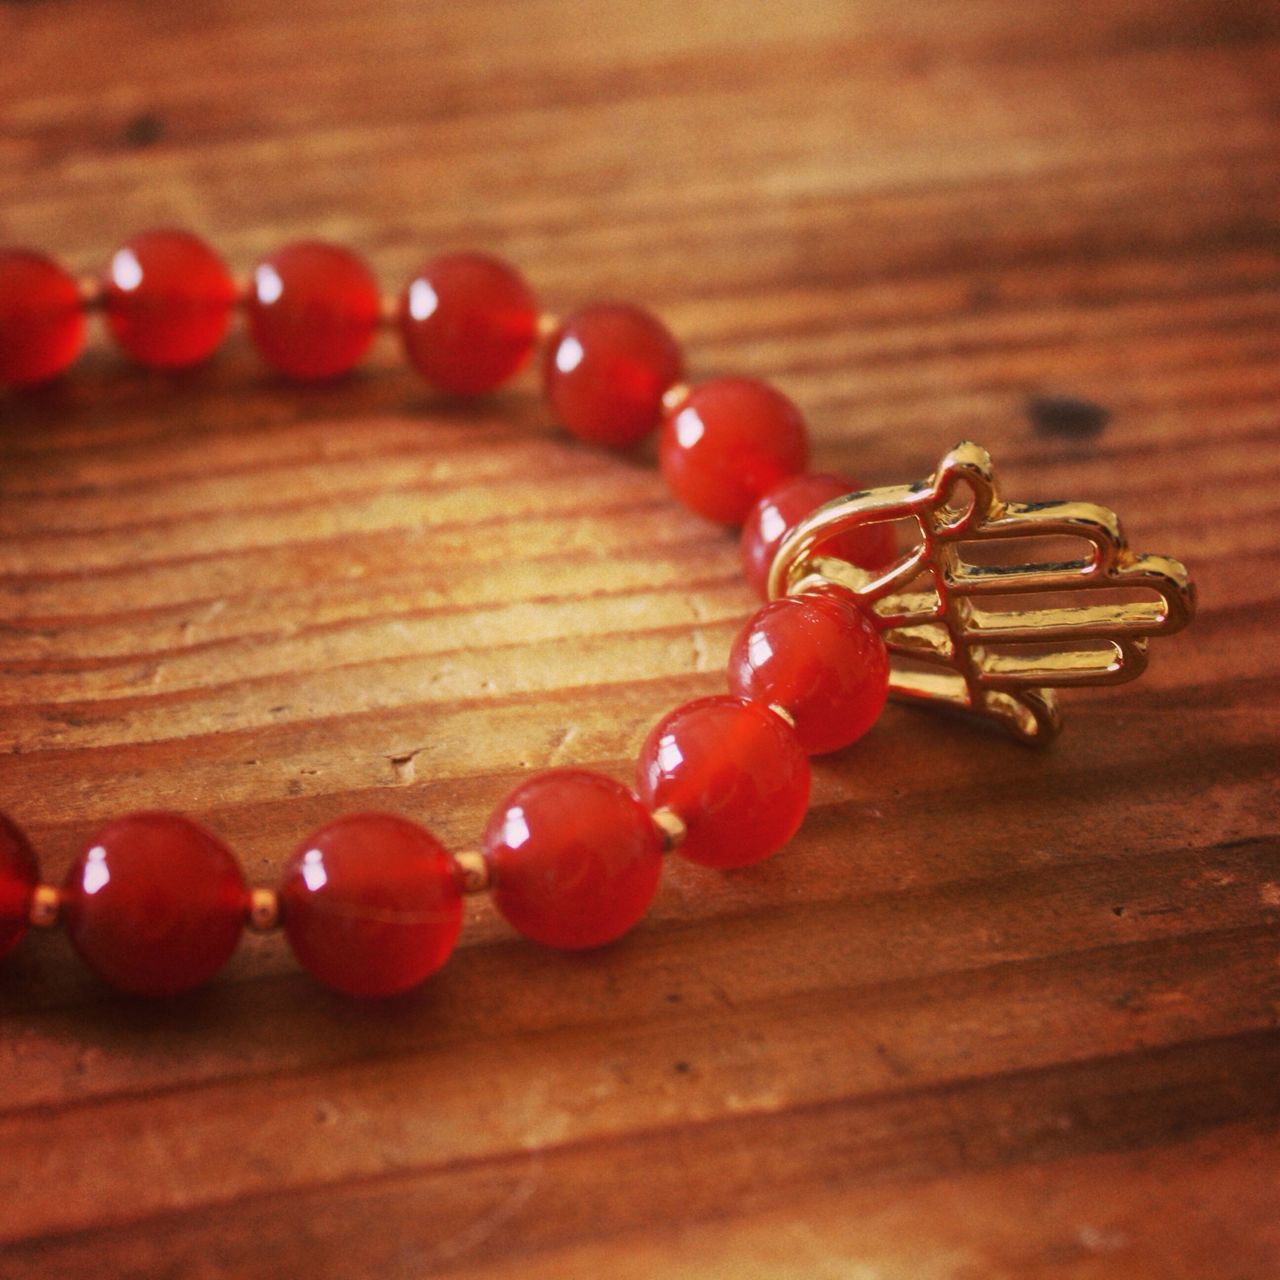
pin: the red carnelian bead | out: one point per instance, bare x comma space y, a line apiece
167, 298
734, 772
728, 443
468, 323
18, 876
41, 321
821, 658
783, 507
606, 371
312, 310
154, 904
371, 904
574, 858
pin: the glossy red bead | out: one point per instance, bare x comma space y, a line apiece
312, 310
468, 322
154, 904
606, 370
819, 656
574, 858
41, 320
167, 298
18, 876
734, 771
785, 505
371, 904
728, 443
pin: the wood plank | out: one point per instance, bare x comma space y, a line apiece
994, 1012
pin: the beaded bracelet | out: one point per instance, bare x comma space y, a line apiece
371, 903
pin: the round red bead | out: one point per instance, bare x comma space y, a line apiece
728, 443
41, 321
784, 506
468, 323
371, 904
734, 772
154, 904
606, 371
820, 657
574, 858
167, 298
18, 876
312, 310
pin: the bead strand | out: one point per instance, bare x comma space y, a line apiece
467, 323
371, 903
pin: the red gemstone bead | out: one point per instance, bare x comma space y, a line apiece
18, 876
167, 298
606, 371
784, 506
734, 771
312, 310
574, 858
820, 657
728, 443
41, 321
371, 904
468, 322
154, 904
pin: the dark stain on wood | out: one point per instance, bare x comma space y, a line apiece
1070, 416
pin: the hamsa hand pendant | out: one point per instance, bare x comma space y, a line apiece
995, 603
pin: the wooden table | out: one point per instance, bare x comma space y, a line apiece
995, 1012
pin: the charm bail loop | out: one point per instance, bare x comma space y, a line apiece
970, 627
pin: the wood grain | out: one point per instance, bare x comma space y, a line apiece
995, 1013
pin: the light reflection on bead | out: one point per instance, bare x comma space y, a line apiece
126, 270
95, 877
268, 288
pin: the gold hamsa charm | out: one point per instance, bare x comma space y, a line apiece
968, 624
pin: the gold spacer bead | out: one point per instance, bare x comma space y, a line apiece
473, 871
673, 397
671, 828
782, 713
547, 325
389, 311
263, 910
90, 290
45, 907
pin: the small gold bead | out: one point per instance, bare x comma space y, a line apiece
547, 325
473, 871
782, 713
388, 311
90, 290
263, 911
45, 907
671, 828
673, 397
